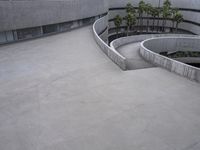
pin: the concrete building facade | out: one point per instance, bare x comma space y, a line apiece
29, 19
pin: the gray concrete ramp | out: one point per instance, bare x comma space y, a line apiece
134, 60
62, 93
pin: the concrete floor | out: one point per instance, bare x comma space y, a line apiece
62, 93
134, 60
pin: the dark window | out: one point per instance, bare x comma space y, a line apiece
88, 20
49, 28
28, 33
65, 26
9, 36
2, 37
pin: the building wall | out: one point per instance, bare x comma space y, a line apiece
17, 14
25, 19
194, 4
192, 15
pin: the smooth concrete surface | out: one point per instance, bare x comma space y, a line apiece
150, 50
62, 93
133, 59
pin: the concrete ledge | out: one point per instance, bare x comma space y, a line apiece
139, 38
150, 49
99, 26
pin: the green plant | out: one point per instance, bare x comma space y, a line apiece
174, 12
130, 19
130, 8
178, 18
159, 11
154, 14
148, 8
166, 12
117, 22
167, 3
141, 9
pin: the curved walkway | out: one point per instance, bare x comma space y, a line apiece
133, 59
62, 93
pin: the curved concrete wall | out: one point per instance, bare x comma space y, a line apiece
15, 14
172, 44
99, 29
150, 48
139, 38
